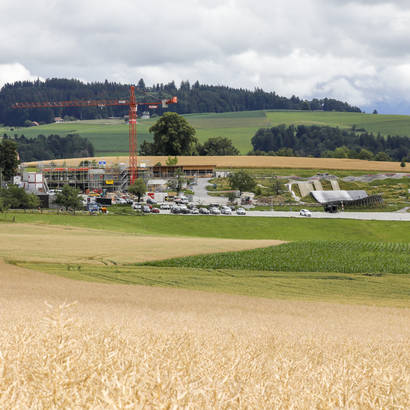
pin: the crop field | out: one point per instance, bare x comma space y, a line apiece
51, 243
84, 324
249, 162
144, 347
110, 137
313, 256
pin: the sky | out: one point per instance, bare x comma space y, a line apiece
352, 50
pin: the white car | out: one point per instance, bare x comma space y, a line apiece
305, 212
165, 206
215, 211
137, 206
240, 211
226, 210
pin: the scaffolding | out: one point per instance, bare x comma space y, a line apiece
108, 179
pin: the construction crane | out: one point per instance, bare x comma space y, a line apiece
132, 120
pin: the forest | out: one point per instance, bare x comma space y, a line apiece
195, 98
52, 147
328, 142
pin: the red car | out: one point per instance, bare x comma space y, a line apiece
155, 210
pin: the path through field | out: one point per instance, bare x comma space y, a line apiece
150, 347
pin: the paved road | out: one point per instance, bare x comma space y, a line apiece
378, 216
201, 195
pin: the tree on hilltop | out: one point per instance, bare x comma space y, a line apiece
173, 135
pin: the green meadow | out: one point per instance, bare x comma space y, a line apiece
110, 137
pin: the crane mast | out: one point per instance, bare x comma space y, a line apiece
132, 121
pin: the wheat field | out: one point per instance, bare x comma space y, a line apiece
67, 244
243, 161
140, 347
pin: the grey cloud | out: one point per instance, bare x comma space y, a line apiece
346, 49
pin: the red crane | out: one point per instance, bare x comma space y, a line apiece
102, 103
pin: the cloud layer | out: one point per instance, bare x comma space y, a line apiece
352, 50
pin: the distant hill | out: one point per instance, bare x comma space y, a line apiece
110, 137
195, 98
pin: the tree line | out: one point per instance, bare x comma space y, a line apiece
195, 98
51, 147
328, 142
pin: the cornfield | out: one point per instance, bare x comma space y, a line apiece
309, 256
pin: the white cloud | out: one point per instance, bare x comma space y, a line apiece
9, 73
355, 50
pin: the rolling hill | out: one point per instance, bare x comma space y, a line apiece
110, 137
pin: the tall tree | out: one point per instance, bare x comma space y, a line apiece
8, 158
138, 188
173, 135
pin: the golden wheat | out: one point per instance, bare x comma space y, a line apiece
248, 161
41, 243
138, 347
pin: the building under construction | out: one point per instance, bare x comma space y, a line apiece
116, 177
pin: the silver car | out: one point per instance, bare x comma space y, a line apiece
226, 210
240, 211
215, 211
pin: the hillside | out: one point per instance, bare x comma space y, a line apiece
110, 137
195, 98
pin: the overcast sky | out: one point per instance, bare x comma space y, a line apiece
356, 51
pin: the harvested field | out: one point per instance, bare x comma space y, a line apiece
250, 162
150, 348
40, 243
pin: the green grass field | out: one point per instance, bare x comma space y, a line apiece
110, 137
286, 229
345, 261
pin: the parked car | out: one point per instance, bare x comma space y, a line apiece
215, 211
183, 209
305, 212
165, 206
240, 211
226, 210
176, 209
136, 206
146, 209
151, 200
204, 211
155, 210
120, 201
195, 211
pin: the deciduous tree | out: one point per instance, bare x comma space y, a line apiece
242, 181
68, 198
138, 188
173, 135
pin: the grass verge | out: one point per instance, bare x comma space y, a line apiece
287, 229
